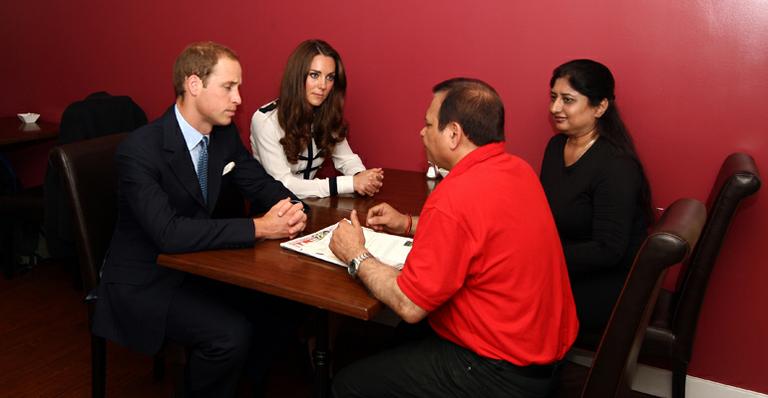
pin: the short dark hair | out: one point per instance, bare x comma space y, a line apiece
475, 106
198, 59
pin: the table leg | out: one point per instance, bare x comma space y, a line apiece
321, 356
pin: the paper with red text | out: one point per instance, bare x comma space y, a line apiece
389, 249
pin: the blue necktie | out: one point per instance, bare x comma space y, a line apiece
202, 168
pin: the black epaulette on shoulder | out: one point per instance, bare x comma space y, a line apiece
269, 107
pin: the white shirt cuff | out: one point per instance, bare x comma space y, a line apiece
345, 184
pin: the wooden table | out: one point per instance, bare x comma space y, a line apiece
406, 190
14, 132
268, 268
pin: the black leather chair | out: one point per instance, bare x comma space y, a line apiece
670, 242
21, 216
669, 340
90, 183
97, 115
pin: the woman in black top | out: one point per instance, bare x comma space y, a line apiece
596, 188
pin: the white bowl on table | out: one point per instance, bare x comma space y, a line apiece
28, 117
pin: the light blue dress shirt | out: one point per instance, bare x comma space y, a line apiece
192, 137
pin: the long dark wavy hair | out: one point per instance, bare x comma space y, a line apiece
595, 81
298, 118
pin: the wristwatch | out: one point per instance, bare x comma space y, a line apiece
355, 263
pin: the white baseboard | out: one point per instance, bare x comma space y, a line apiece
658, 382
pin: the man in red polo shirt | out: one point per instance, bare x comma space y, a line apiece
486, 268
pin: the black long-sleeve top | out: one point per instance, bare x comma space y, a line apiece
596, 205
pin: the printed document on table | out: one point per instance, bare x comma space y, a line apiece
390, 249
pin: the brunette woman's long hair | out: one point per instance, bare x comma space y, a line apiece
595, 81
298, 118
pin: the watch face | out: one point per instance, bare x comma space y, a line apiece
352, 268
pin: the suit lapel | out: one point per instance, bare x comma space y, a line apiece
177, 156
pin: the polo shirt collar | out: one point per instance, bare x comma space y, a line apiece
477, 156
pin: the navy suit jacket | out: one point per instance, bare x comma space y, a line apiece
161, 210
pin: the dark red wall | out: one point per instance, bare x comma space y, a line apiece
692, 77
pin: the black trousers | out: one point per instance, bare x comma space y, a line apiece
434, 367
228, 330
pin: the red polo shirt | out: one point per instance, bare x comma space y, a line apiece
488, 265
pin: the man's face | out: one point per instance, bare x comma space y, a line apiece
219, 97
433, 138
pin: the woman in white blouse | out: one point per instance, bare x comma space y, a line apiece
293, 135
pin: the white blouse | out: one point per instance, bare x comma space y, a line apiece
298, 177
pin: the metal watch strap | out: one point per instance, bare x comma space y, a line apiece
355, 263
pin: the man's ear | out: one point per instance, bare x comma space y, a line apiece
455, 135
194, 85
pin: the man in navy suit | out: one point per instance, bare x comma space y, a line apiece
171, 172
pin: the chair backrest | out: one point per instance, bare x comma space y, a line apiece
90, 183
669, 243
97, 115
737, 179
